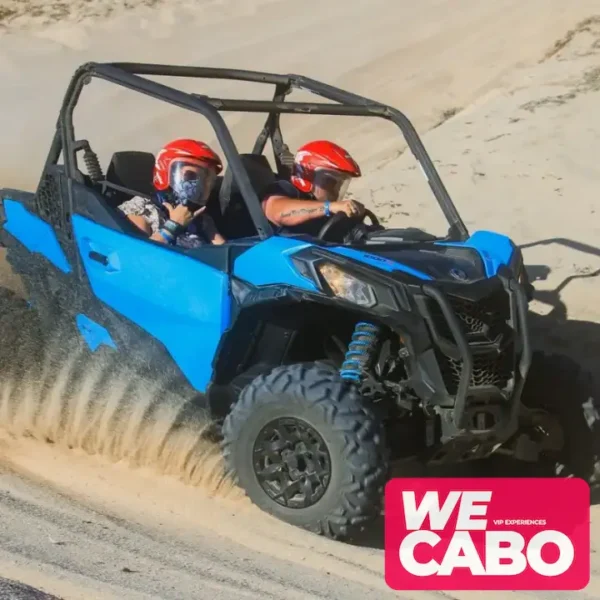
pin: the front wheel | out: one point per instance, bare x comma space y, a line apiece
306, 450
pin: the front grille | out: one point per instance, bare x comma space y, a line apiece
488, 369
485, 318
483, 322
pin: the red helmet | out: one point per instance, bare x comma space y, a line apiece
186, 170
326, 158
183, 150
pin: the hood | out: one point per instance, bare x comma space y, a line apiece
428, 261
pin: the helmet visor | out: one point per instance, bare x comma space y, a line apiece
192, 182
333, 183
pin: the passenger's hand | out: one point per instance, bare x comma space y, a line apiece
351, 208
181, 214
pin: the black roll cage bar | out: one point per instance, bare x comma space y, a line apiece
130, 75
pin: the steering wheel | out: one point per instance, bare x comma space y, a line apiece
352, 222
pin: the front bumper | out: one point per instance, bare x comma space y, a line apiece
469, 381
480, 408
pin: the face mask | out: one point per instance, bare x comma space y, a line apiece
189, 193
191, 183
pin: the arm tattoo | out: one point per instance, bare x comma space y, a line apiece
300, 211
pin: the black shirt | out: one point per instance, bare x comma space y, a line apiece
289, 190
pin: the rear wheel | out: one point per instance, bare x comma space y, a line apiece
305, 449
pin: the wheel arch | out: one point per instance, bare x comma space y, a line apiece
286, 328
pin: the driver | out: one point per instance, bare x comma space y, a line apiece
185, 173
320, 178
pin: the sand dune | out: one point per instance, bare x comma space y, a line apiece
97, 501
523, 162
425, 58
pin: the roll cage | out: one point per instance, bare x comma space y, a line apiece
131, 75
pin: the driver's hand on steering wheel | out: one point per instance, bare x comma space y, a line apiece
351, 208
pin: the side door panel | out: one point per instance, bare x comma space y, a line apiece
180, 301
36, 235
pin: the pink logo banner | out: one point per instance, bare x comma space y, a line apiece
487, 534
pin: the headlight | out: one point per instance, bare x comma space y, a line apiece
347, 286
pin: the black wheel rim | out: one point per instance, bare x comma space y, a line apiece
291, 463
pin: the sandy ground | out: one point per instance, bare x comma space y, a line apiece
101, 494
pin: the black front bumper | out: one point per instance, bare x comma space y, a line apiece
478, 399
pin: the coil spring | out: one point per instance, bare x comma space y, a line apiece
360, 351
92, 164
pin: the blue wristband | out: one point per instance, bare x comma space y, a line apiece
327, 208
173, 228
170, 239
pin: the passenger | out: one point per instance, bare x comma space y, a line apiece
320, 178
185, 173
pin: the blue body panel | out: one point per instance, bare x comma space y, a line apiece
268, 263
34, 233
93, 333
379, 262
186, 304
494, 248
178, 300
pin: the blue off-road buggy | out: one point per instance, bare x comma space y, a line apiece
322, 359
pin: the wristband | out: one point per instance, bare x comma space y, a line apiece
327, 208
167, 236
173, 228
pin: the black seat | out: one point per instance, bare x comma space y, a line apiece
232, 217
132, 171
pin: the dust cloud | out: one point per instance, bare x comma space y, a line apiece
54, 390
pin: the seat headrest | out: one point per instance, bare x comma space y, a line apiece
259, 172
233, 218
132, 170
